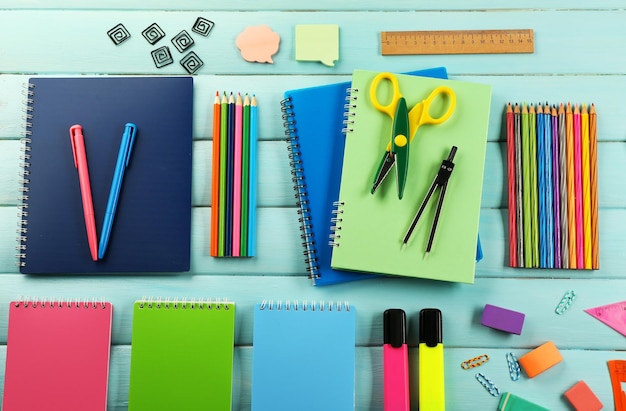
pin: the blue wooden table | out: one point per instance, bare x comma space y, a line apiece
580, 56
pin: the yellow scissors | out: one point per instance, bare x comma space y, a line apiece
405, 125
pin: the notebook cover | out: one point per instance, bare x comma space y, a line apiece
317, 115
511, 402
181, 356
373, 226
57, 356
303, 358
151, 229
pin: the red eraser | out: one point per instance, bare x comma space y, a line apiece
582, 398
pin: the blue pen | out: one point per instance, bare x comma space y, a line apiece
123, 157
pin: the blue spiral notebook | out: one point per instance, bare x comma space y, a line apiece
151, 229
303, 356
313, 125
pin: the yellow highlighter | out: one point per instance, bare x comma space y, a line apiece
431, 379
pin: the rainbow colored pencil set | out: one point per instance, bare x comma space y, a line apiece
234, 178
552, 167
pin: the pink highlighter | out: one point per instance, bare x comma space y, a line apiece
395, 361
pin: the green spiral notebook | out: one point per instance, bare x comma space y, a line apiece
370, 227
181, 356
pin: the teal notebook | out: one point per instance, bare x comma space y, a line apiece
303, 357
511, 402
371, 227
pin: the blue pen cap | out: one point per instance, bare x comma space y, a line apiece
430, 327
131, 129
394, 327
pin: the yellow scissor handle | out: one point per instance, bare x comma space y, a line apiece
390, 108
420, 114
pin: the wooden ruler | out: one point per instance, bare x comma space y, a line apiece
457, 42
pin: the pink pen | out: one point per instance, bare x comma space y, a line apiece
395, 361
80, 161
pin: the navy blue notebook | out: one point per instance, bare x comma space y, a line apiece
152, 225
313, 124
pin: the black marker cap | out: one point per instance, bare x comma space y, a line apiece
394, 325
430, 327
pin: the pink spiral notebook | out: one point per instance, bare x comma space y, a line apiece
57, 356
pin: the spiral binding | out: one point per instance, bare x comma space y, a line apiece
349, 106
348, 123
299, 186
35, 302
28, 92
184, 304
295, 305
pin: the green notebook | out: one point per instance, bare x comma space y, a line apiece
370, 227
181, 356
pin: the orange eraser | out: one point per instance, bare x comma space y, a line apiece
540, 359
582, 398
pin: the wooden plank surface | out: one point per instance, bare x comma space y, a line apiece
76, 41
580, 56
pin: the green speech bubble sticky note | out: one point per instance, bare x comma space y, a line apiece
317, 42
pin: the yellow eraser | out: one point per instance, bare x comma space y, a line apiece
540, 359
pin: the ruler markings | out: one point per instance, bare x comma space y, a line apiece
457, 42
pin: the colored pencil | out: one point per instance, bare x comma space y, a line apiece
549, 181
223, 166
254, 120
556, 193
571, 183
593, 166
510, 145
236, 221
552, 175
215, 175
526, 195
534, 171
563, 188
584, 120
541, 188
578, 187
228, 248
518, 185
245, 176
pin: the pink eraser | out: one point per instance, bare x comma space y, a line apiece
502, 319
582, 398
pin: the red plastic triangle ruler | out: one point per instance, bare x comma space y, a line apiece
617, 370
613, 315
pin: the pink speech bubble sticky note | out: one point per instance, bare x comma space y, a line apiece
258, 44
